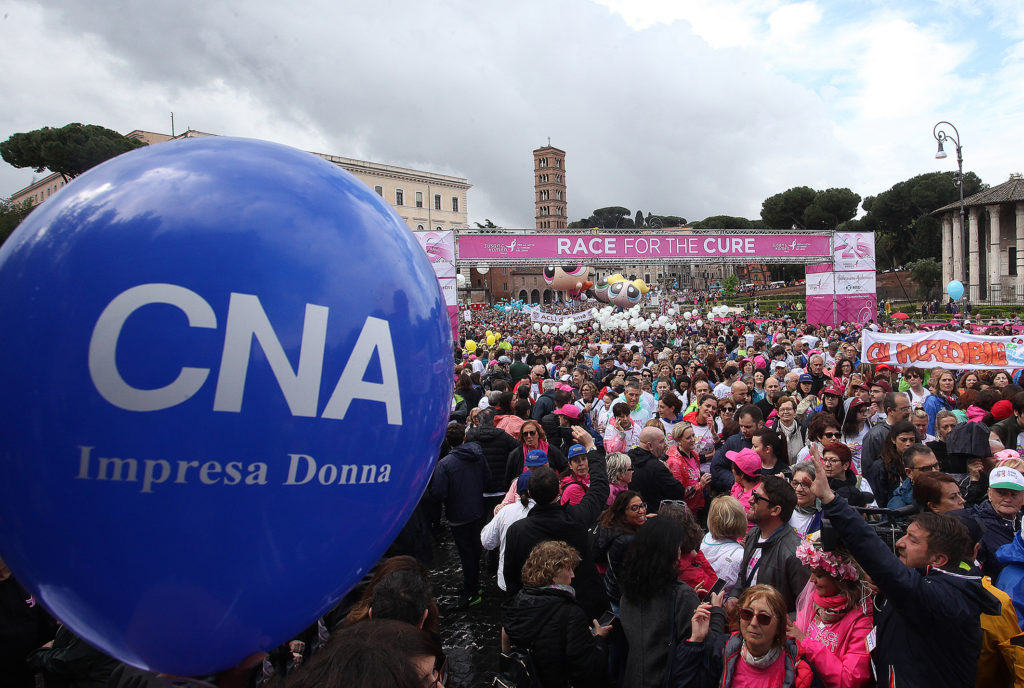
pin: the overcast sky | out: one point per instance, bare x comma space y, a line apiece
686, 107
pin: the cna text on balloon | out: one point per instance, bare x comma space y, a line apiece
246, 320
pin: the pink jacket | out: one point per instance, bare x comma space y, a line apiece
841, 654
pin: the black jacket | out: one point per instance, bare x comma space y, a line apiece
571, 524
653, 480
927, 621
1007, 431
459, 480
496, 445
777, 565
847, 489
721, 466
72, 663
612, 544
545, 404
516, 459
551, 624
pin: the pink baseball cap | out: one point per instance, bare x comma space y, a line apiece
571, 411
747, 460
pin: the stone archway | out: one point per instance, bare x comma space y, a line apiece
523, 295
534, 296
548, 295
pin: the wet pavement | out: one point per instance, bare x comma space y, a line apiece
471, 637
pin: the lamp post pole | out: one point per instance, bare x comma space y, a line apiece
941, 136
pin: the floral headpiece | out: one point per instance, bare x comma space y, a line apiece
814, 558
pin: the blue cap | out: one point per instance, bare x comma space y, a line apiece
535, 458
806, 377
576, 450
523, 483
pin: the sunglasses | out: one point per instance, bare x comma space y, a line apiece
529, 433
754, 497
763, 618
833, 435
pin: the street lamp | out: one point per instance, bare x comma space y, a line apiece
958, 179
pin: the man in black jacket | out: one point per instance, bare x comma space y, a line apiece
927, 627
496, 445
769, 552
550, 521
458, 481
651, 477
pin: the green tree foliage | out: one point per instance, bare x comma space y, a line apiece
785, 210
723, 222
901, 217
730, 284
11, 215
830, 208
616, 216
69, 150
927, 273
804, 208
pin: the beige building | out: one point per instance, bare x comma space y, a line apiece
995, 243
425, 200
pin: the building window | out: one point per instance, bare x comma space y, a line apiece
399, 197
544, 194
379, 190
437, 201
439, 228
455, 204
558, 195
419, 228
558, 162
1013, 261
558, 178
419, 199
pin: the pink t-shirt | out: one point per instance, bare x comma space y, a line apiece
747, 676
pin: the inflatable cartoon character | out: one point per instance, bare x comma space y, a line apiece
571, 279
601, 290
627, 294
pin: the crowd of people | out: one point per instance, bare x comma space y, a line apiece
730, 504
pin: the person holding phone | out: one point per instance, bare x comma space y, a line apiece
759, 654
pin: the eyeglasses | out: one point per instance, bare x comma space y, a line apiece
763, 618
529, 433
831, 460
670, 501
799, 485
637, 508
833, 435
754, 497
927, 469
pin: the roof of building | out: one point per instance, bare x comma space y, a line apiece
1009, 191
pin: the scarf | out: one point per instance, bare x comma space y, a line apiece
564, 588
542, 445
830, 609
808, 510
762, 662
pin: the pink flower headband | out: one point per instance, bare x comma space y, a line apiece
814, 558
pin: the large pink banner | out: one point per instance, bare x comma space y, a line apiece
567, 247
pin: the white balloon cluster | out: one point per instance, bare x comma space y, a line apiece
607, 319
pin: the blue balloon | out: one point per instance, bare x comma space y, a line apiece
227, 370
955, 289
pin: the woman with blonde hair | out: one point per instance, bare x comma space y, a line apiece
727, 526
